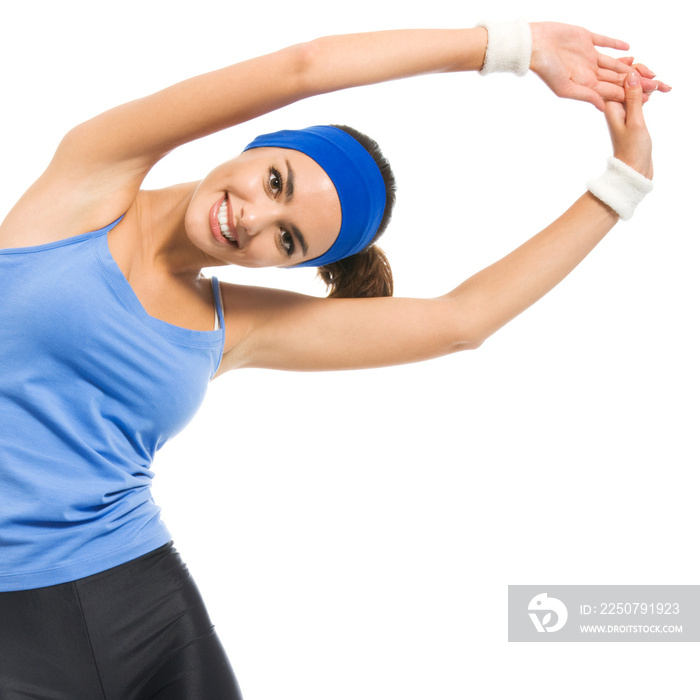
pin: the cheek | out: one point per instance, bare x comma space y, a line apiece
262, 251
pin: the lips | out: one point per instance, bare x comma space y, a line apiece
220, 222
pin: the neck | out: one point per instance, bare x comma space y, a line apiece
165, 239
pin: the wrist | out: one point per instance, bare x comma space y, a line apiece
509, 47
620, 187
640, 165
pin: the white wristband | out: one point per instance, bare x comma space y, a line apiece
509, 47
620, 187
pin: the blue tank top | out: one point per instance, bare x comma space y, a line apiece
91, 386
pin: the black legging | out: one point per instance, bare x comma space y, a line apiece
134, 632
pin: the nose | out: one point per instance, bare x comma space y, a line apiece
255, 217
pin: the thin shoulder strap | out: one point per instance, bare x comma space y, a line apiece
109, 227
218, 300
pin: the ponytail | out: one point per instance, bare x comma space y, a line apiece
365, 274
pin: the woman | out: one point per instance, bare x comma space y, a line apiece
110, 336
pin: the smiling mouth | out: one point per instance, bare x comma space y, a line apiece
228, 231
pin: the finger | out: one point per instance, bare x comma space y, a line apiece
610, 43
610, 76
644, 71
634, 98
628, 60
614, 64
649, 86
610, 92
585, 94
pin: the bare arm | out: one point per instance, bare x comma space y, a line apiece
99, 166
235, 94
229, 96
289, 331
281, 330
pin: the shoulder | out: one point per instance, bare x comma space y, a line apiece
59, 206
67, 200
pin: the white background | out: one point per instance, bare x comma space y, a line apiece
354, 534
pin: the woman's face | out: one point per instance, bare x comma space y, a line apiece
267, 207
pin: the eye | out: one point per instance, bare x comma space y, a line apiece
287, 242
274, 181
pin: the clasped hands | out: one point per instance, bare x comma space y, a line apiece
565, 57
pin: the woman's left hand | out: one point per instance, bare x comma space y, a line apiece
566, 59
628, 130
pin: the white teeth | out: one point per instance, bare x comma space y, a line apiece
223, 214
223, 222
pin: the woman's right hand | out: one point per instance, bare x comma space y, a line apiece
628, 130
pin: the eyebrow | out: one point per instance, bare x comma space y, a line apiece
289, 193
289, 190
302, 241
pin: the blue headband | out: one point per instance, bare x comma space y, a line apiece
355, 175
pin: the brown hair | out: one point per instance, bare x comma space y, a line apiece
367, 273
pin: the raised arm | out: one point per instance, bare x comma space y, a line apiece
144, 130
288, 331
214, 101
99, 166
